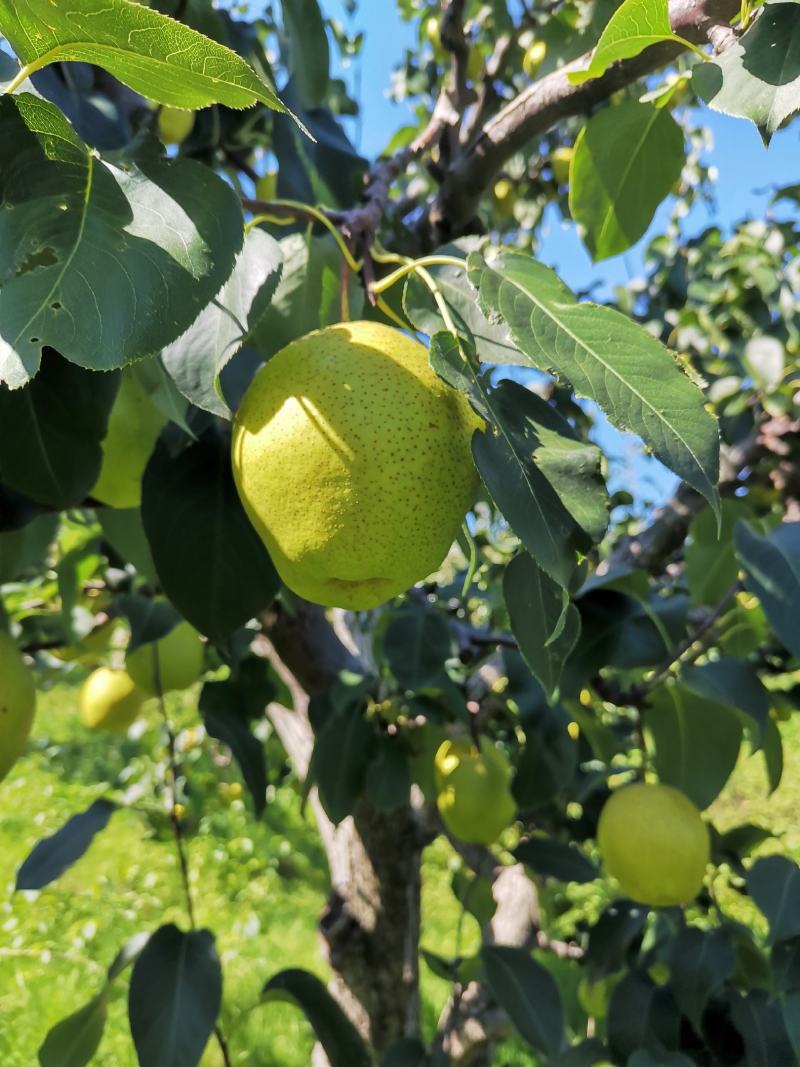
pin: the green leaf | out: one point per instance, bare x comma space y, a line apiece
491, 339
759, 1020
630, 1010
785, 960
556, 859
92, 268
388, 779
175, 997
774, 884
711, 564
123, 529
548, 760
307, 296
195, 360
545, 627
226, 715
627, 158
634, 26
772, 565
758, 77
308, 41
416, 643
50, 445
341, 1041
609, 359
529, 995
339, 763
156, 56
53, 855
773, 755
222, 575
614, 938
149, 619
735, 684
695, 742
547, 483
699, 962
74, 1041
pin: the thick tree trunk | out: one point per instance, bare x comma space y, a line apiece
371, 924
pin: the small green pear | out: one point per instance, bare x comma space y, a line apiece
474, 785
17, 704
173, 662
174, 124
110, 700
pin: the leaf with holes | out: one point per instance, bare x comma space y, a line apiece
627, 158
104, 262
155, 55
607, 358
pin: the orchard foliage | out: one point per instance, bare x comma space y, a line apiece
571, 643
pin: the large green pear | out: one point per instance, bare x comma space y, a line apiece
173, 662
110, 700
17, 704
654, 842
352, 459
133, 428
474, 785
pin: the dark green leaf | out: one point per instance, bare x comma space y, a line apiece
156, 56
416, 643
545, 628
301, 302
627, 158
50, 444
618, 930
337, 1035
774, 884
51, 856
556, 859
547, 484
629, 1013
772, 565
528, 993
695, 742
175, 997
700, 962
308, 41
226, 708
548, 760
608, 358
74, 1041
340, 760
773, 754
388, 779
149, 619
108, 282
211, 562
757, 77
196, 360
711, 564
785, 960
735, 684
760, 1022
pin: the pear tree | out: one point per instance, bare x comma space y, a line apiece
322, 442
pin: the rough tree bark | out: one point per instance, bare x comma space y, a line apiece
371, 924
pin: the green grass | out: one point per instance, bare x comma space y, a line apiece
259, 885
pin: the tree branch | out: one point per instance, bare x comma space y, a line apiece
549, 101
